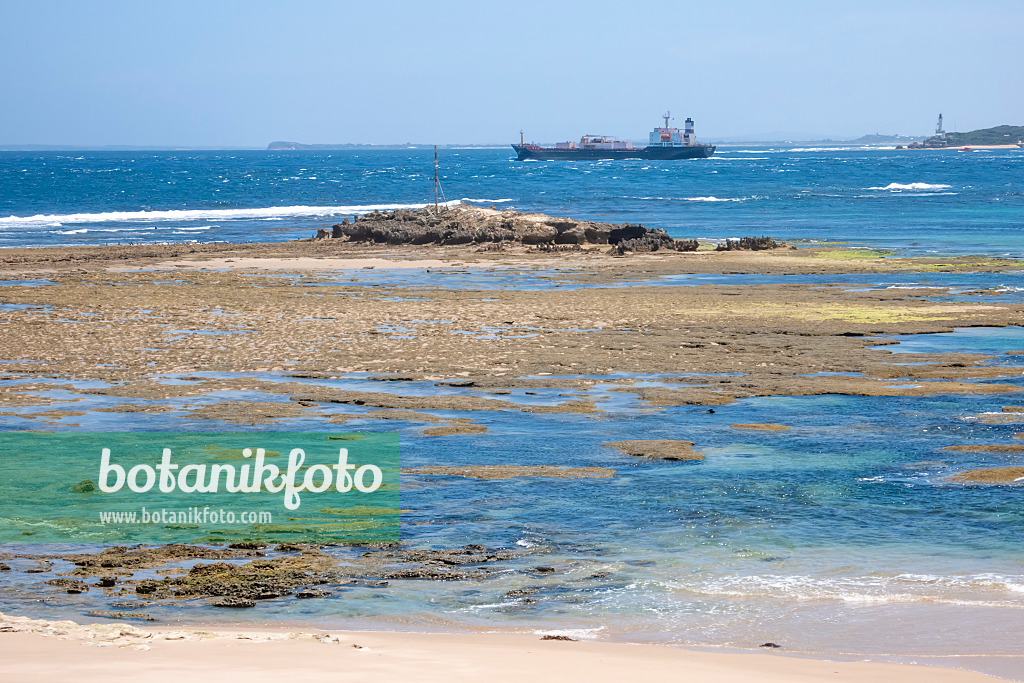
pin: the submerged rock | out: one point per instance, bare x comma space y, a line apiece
69, 585
510, 471
990, 448
767, 427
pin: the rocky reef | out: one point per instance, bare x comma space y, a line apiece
750, 244
466, 225
657, 449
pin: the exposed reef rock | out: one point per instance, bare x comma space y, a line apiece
303, 573
992, 475
464, 224
750, 243
450, 430
660, 449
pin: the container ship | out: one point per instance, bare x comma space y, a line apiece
664, 143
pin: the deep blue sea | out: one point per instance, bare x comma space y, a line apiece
915, 202
841, 536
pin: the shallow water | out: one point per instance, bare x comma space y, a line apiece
823, 537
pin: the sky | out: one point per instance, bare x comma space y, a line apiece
242, 74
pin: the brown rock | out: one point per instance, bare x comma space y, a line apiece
991, 475
449, 430
661, 449
761, 426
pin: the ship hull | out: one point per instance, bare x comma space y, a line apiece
659, 153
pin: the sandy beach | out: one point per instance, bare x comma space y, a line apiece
66, 651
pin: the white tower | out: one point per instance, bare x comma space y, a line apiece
938, 128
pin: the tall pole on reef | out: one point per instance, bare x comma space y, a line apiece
438, 193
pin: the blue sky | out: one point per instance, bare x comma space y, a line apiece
245, 73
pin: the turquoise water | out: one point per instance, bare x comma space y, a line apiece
840, 535
801, 537
917, 202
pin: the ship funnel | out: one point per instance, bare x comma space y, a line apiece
689, 126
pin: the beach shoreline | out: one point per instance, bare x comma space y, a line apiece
109, 652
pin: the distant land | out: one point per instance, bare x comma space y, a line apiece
871, 139
997, 135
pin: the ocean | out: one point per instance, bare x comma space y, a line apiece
913, 202
839, 537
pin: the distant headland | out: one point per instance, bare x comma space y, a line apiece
996, 137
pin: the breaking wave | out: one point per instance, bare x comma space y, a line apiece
267, 213
912, 186
980, 589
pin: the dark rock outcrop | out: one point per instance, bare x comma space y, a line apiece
750, 243
465, 224
652, 240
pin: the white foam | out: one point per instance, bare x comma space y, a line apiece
714, 199
265, 213
487, 201
912, 186
79, 231
979, 589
